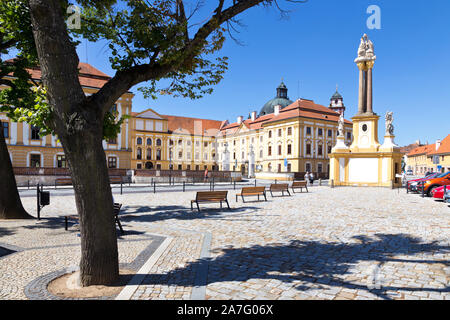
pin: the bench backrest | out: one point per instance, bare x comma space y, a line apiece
115, 179
117, 207
299, 183
63, 180
253, 190
206, 195
279, 186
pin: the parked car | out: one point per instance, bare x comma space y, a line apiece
409, 172
413, 185
441, 180
438, 192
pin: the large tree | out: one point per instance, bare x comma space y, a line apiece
149, 41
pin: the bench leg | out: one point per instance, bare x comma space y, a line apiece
236, 198
288, 192
265, 198
198, 207
66, 223
243, 200
220, 204
119, 224
228, 205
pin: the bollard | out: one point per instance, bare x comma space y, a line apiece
28, 184
255, 182
120, 187
332, 183
320, 182
275, 181
234, 185
154, 187
407, 186
184, 187
38, 202
423, 189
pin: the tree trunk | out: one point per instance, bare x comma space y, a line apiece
10, 203
99, 263
79, 125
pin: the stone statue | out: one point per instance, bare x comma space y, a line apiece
389, 126
341, 125
365, 50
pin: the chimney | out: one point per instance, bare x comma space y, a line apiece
277, 110
438, 144
253, 116
239, 119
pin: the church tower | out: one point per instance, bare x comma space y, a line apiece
337, 102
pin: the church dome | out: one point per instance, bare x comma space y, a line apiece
281, 99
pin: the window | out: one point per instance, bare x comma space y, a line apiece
289, 149
149, 154
319, 168
197, 167
269, 167
280, 132
261, 153
170, 142
308, 130
269, 151
320, 132
180, 142
139, 166
279, 150
330, 133
308, 167
319, 150
180, 154
158, 166
197, 156
188, 167
243, 156
61, 161
329, 149
279, 167
289, 167
349, 135
188, 155
206, 156
5, 126
149, 141
205, 144
197, 143
158, 154
158, 142
289, 131
35, 133
234, 155
308, 149
35, 160
180, 167
112, 162
270, 134
261, 138
188, 142
139, 153
139, 141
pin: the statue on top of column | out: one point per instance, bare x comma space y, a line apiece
341, 125
365, 50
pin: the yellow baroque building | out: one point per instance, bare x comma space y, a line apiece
28, 149
285, 137
430, 158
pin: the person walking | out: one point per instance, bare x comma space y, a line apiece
307, 176
206, 175
311, 178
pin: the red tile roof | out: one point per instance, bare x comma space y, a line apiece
193, 125
443, 148
422, 150
300, 108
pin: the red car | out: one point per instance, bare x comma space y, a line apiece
412, 184
438, 192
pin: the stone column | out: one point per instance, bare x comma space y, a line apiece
362, 86
369, 87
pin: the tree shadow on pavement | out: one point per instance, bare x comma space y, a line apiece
160, 213
310, 264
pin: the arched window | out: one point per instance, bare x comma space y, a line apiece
158, 142
149, 154
269, 167
158, 154
139, 141
149, 141
139, 153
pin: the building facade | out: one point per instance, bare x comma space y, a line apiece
28, 149
286, 136
430, 158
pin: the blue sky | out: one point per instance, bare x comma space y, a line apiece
313, 50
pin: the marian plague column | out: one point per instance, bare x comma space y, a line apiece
365, 162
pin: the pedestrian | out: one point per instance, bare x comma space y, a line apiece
311, 178
206, 175
307, 176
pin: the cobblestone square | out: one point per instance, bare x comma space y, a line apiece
341, 243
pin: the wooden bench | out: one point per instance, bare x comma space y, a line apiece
63, 181
210, 196
299, 185
252, 191
115, 179
117, 207
279, 187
